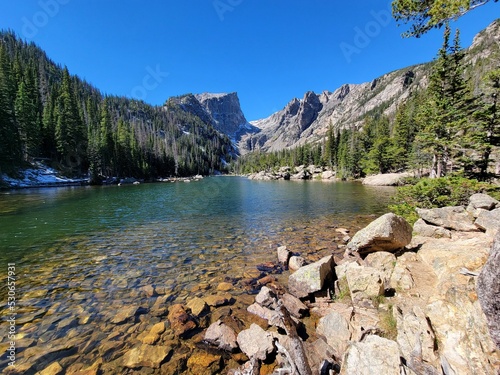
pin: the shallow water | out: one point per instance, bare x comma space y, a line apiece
82, 255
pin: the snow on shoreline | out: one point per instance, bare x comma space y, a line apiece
39, 176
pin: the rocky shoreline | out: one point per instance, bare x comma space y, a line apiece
399, 305
302, 172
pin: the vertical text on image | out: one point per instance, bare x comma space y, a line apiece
11, 319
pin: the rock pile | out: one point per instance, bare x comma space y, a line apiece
301, 172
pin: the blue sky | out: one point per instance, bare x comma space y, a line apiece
269, 51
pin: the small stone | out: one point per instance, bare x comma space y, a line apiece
198, 306
224, 287
124, 315
266, 297
218, 300
296, 262
283, 255
180, 321
149, 290
266, 280
203, 363
146, 356
54, 369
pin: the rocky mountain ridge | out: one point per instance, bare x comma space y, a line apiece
307, 120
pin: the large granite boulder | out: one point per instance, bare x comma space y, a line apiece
386, 179
311, 278
389, 232
374, 355
488, 288
455, 218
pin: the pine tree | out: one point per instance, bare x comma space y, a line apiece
10, 146
28, 118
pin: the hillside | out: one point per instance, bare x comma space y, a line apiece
49, 115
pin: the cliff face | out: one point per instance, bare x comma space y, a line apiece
222, 111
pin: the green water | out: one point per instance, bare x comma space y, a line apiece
85, 253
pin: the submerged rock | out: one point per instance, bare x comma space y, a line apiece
180, 321
146, 356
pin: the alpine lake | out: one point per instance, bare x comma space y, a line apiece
97, 267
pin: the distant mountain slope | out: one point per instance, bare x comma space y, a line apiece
48, 114
306, 120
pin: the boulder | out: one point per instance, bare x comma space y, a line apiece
374, 355
489, 221
483, 201
271, 316
488, 287
389, 232
146, 356
423, 229
296, 262
222, 336
455, 218
255, 342
328, 175
283, 255
365, 283
386, 179
311, 278
335, 329
401, 277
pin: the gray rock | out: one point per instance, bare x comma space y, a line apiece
221, 335
374, 355
364, 283
483, 201
488, 287
423, 229
489, 221
335, 329
266, 297
296, 262
384, 262
456, 218
294, 305
311, 278
283, 255
255, 342
387, 233
272, 317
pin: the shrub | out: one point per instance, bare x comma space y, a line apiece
436, 192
